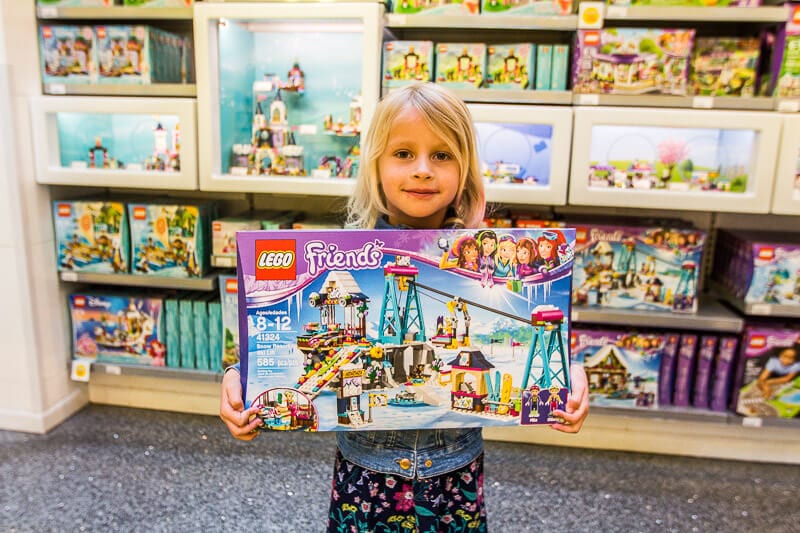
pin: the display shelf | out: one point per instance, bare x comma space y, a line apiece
556, 23
186, 90
223, 261
114, 13
624, 157
206, 283
758, 103
189, 374
696, 14
786, 196
711, 316
67, 128
303, 185
515, 97
667, 413
755, 309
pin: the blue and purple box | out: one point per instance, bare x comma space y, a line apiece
685, 370
701, 392
724, 369
91, 236
632, 61
666, 374
637, 267
403, 329
622, 367
117, 328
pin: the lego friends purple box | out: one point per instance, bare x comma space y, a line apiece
404, 329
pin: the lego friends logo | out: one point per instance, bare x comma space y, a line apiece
231, 286
591, 38
64, 210
321, 256
767, 254
275, 259
140, 213
758, 341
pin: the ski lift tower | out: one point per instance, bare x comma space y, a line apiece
546, 343
401, 308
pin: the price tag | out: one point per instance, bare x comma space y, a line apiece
81, 370
223, 261
307, 129
238, 171
761, 309
703, 102
56, 88
69, 276
114, 370
79, 165
588, 99
616, 12
752, 422
264, 86
48, 12
135, 167
789, 106
393, 19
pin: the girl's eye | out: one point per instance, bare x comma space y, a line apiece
442, 156
402, 154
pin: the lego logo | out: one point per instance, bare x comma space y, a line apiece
442, 48
581, 235
64, 210
139, 213
101, 32
591, 38
573, 340
758, 341
766, 253
79, 301
216, 226
275, 259
231, 285
796, 15
47, 32
389, 47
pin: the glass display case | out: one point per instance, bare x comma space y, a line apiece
524, 152
115, 142
674, 159
284, 92
786, 198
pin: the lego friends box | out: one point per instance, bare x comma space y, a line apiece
404, 329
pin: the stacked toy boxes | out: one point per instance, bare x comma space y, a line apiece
171, 239
768, 377
193, 324
91, 236
758, 266
649, 268
224, 229
632, 61
351, 329
118, 328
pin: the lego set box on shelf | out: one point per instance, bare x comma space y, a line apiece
759, 267
114, 54
292, 112
651, 158
111, 3
91, 235
229, 300
483, 7
768, 377
473, 65
686, 3
785, 68
399, 329
110, 141
194, 331
223, 230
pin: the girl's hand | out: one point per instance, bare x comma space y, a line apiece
241, 422
577, 408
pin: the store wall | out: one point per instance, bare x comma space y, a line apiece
35, 390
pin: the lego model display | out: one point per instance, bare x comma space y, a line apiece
671, 159
134, 142
346, 330
759, 266
515, 153
621, 367
526, 7
460, 65
274, 123
724, 66
768, 378
632, 61
632, 267
91, 236
117, 328
169, 239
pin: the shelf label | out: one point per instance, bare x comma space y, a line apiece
48, 12
590, 15
307, 129
238, 171
703, 102
81, 370
761, 309
224, 261
114, 369
79, 165
752, 422
263, 86
56, 88
588, 99
788, 106
69, 276
393, 19
136, 167
616, 12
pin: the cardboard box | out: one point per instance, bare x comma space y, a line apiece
91, 236
401, 329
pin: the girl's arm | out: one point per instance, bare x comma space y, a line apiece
577, 408
241, 422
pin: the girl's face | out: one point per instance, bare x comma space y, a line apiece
417, 172
523, 255
488, 245
545, 249
506, 250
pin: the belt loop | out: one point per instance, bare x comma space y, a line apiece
391, 438
438, 438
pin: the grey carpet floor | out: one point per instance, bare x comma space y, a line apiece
117, 469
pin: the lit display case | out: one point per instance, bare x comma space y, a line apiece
674, 159
115, 142
284, 89
524, 152
786, 199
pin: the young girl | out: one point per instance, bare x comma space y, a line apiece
419, 170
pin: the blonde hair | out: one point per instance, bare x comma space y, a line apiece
448, 117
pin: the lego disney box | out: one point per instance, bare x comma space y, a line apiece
404, 329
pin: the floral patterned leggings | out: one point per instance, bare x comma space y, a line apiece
366, 501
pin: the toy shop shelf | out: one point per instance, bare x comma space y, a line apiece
206, 283
757, 103
114, 13
59, 123
223, 261
666, 413
697, 14
280, 185
558, 23
184, 90
710, 316
755, 309
788, 105
491, 96
157, 372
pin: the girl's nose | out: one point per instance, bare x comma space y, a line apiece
423, 170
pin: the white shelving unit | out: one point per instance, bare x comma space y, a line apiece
114, 13
51, 170
786, 197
